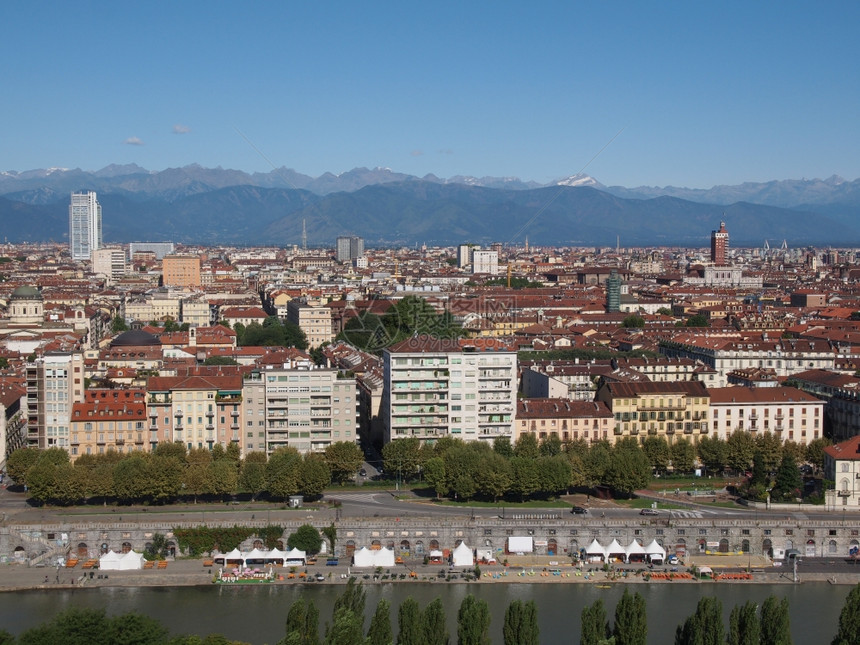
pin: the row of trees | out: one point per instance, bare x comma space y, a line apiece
274, 332
532, 468
416, 626
171, 472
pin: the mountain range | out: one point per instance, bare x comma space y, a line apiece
194, 204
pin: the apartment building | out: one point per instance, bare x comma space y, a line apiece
667, 409
109, 262
842, 466
200, 408
109, 420
841, 395
568, 420
434, 388
181, 271
300, 406
13, 420
315, 321
789, 413
54, 382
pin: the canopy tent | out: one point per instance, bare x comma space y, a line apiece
234, 556
295, 555
256, 555
384, 557
110, 561
362, 558
634, 548
462, 556
655, 552
131, 560
276, 556
520, 544
615, 549
436, 554
595, 550
365, 557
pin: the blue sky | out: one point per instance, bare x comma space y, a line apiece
705, 93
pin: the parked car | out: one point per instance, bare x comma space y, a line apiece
320, 577
672, 559
362, 472
648, 511
578, 510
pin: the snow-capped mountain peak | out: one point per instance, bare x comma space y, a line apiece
579, 179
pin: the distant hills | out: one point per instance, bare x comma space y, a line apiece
216, 206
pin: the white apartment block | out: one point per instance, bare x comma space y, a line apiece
305, 408
85, 224
54, 383
789, 413
485, 262
315, 321
434, 388
109, 262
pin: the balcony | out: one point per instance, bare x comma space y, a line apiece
844, 493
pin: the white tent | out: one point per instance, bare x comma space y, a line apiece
634, 548
131, 560
383, 558
363, 558
277, 557
110, 561
462, 556
654, 551
235, 556
595, 550
520, 544
255, 554
295, 555
615, 549
436, 554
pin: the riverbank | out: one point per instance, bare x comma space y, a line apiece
190, 572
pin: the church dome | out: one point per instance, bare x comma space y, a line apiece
26, 293
136, 338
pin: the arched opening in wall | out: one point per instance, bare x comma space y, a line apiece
83, 550
419, 547
279, 545
20, 553
810, 549
457, 543
350, 548
405, 547
854, 548
724, 546
703, 546
745, 546
434, 545
171, 549
258, 544
573, 547
832, 548
147, 547
104, 548
126, 547
681, 548
767, 548
390, 545
375, 545
789, 545
551, 547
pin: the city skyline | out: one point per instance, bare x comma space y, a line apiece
688, 96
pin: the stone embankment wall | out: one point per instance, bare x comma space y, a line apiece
415, 537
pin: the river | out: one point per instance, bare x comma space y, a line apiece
256, 614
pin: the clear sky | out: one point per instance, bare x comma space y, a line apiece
706, 92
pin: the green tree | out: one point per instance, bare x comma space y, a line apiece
849, 620
380, 632
306, 538
402, 456
656, 451
815, 453
502, 446
629, 471
130, 478
224, 476
136, 629
520, 627
705, 626
770, 447
344, 458
282, 472
346, 629
314, 475
594, 624
197, 479
631, 624
409, 620
597, 462
633, 321
71, 627
353, 598
788, 481
163, 479
252, 473
220, 360
555, 474
527, 446
366, 332
683, 455
699, 320
433, 624
551, 446
473, 622
713, 453
330, 534
434, 474
525, 476
775, 622
744, 626
759, 471
117, 325
494, 477
302, 624
740, 447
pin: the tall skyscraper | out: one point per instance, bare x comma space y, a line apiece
349, 248
85, 224
720, 245
613, 292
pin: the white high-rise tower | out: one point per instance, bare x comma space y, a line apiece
85, 224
